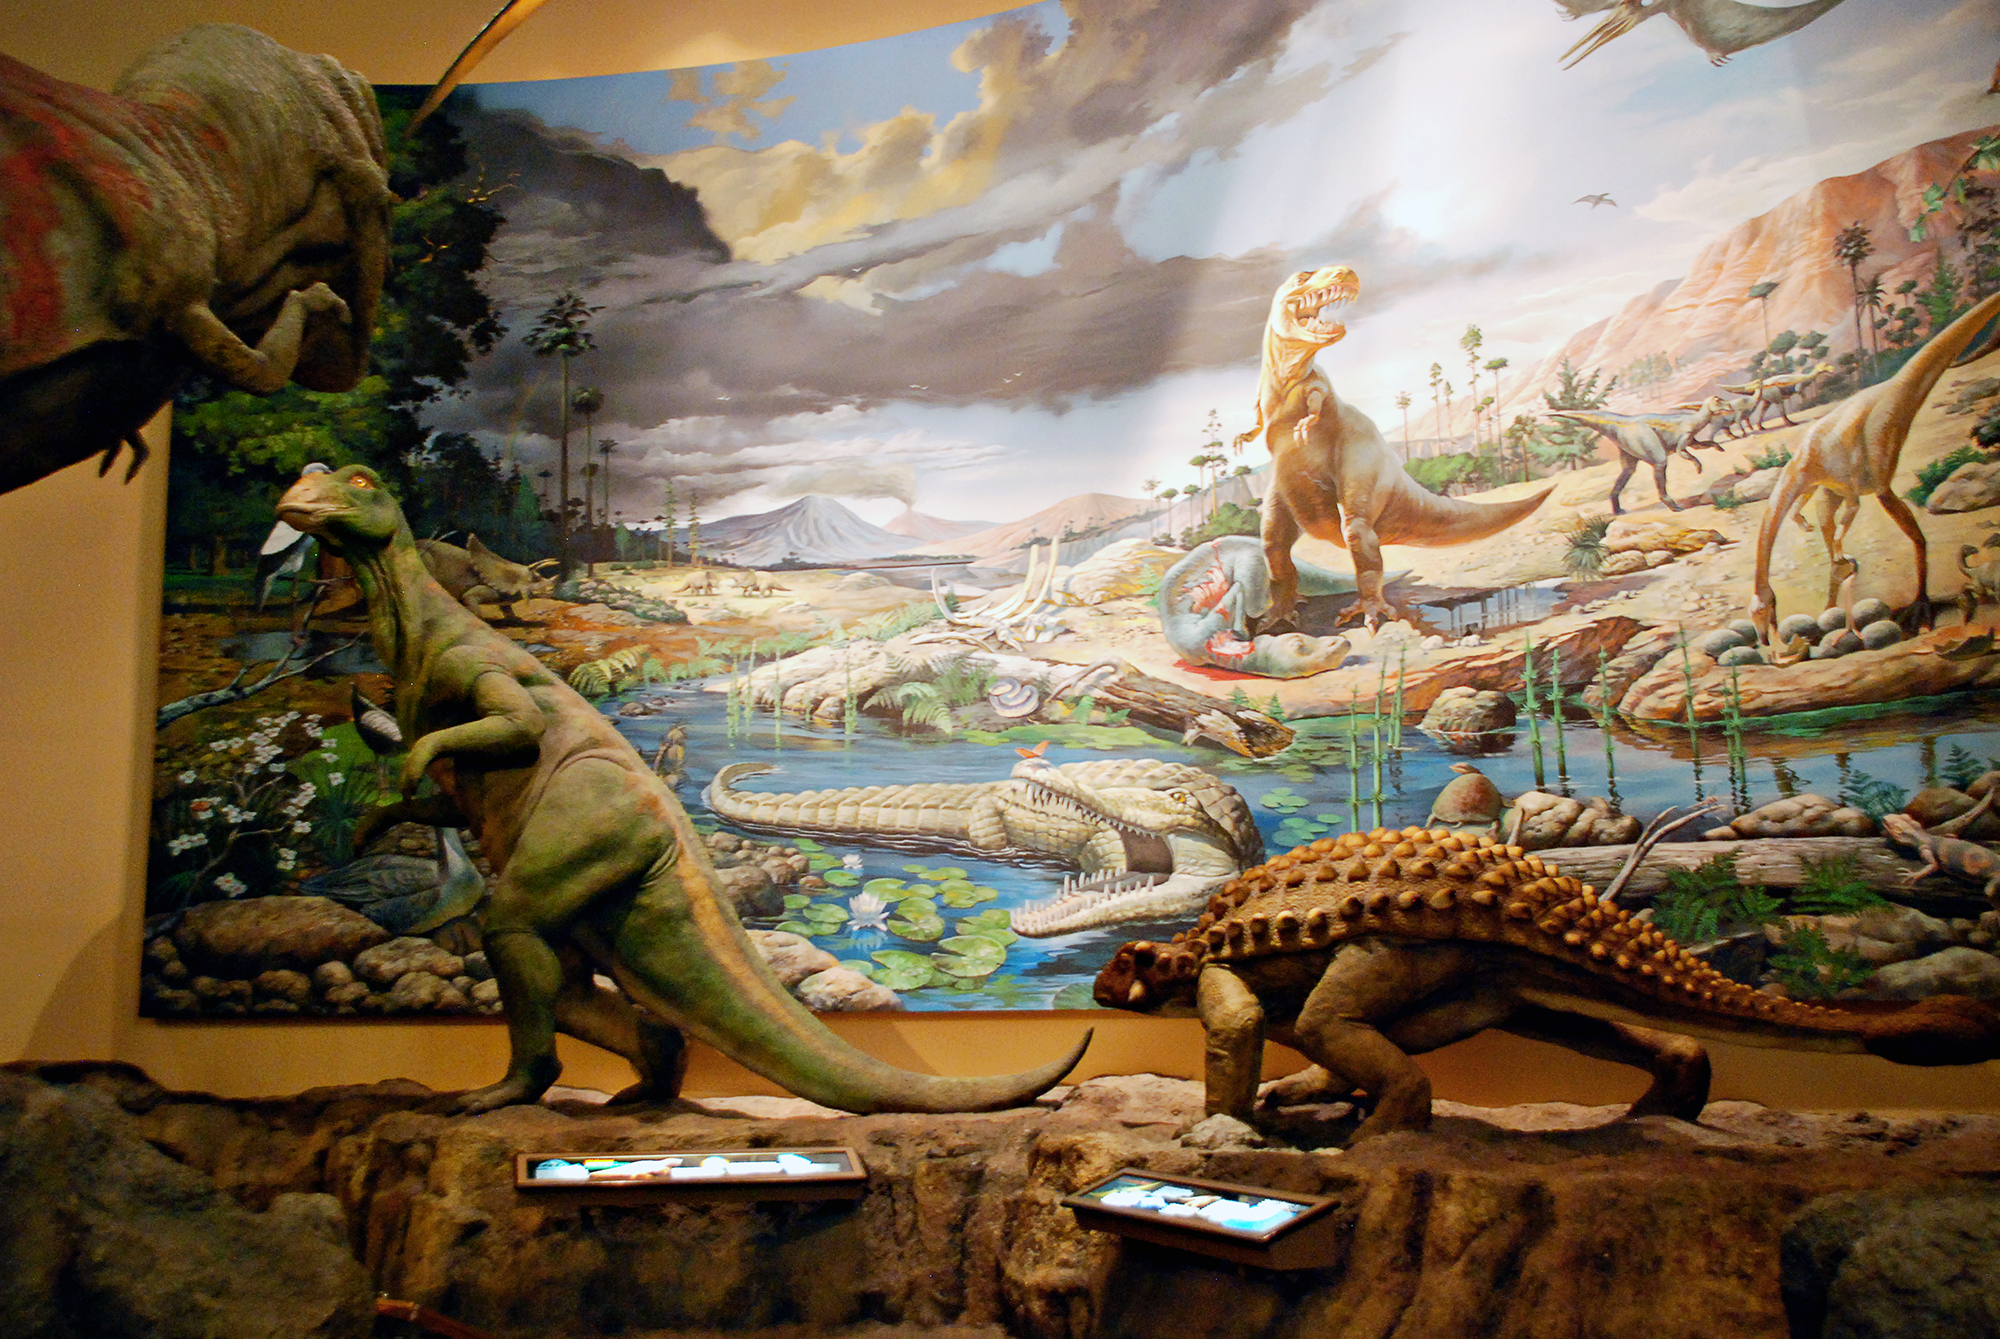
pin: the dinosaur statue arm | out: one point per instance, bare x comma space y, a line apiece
267, 367
437, 811
509, 721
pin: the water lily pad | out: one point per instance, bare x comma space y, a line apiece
998, 934
1075, 995
901, 970
820, 860
840, 878
794, 901
803, 928
867, 969
976, 947
962, 895
993, 916
940, 873
923, 932
806, 844
1284, 800
915, 869
884, 888
827, 913
917, 908
954, 886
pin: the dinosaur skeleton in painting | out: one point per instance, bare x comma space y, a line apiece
1030, 612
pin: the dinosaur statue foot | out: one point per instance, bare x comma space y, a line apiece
1310, 1086
512, 1091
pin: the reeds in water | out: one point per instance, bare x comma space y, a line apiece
1694, 730
1604, 727
1533, 706
1556, 715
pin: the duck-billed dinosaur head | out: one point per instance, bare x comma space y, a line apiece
348, 509
1302, 311
1153, 839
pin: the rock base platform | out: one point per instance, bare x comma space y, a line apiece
1542, 1220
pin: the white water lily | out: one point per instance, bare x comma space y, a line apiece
851, 861
867, 911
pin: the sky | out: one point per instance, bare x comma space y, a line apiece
984, 267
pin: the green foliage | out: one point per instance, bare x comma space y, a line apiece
1961, 768
1872, 795
1227, 519
1935, 473
963, 680
1728, 501
916, 704
1833, 887
898, 621
1699, 903
623, 669
1586, 552
1440, 474
1811, 969
1771, 458
1648, 371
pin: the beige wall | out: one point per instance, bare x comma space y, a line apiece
79, 583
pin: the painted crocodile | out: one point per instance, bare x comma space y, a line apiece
1365, 949
224, 208
1207, 602
1332, 474
1152, 839
590, 850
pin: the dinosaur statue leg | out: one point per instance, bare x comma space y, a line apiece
1626, 466
1280, 531
1371, 981
608, 1020
267, 367
568, 855
1899, 512
1232, 1022
1679, 1065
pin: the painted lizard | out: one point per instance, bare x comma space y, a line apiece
224, 208
1943, 850
589, 848
1365, 949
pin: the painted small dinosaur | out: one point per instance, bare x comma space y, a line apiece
1333, 476
1365, 949
1982, 582
1651, 439
590, 851
1768, 393
1152, 839
225, 208
1852, 453
1208, 602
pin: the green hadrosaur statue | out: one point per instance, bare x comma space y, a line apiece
590, 850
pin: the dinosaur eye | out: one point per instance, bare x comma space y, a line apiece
1180, 796
360, 481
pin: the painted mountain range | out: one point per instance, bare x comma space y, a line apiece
814, 529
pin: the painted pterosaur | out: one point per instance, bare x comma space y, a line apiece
1719, 27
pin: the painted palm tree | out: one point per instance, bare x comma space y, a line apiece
1762, 292
1851, 246
560, 332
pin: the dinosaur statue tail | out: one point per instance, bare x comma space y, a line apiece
678, 950
1415, 515
1942, 1030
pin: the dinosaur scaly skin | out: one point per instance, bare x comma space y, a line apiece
1362, 950
1333, 476
225, 207
1851, 453
589, 848
1206, 604
1153, 839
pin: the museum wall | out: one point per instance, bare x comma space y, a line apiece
79, 585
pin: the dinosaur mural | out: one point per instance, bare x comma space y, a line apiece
1650, 439
1210, 599
223, 209
1332, 474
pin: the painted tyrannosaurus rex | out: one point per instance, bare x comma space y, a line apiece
1332, 475
1364, 949
588, 846
1208, 602
1851, 453
224, 208
1650, 438
1153, 839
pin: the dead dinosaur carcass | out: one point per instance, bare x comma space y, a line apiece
224, 209
1365, 949
1852, 453
1333, 476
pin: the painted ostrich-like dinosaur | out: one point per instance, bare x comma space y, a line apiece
1332, 475
1851, 454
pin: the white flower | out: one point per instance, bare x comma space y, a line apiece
301, 827
287, 859
868, 910
199, 808
851, 861
230, 885
187, 841
334, 778
187, 778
